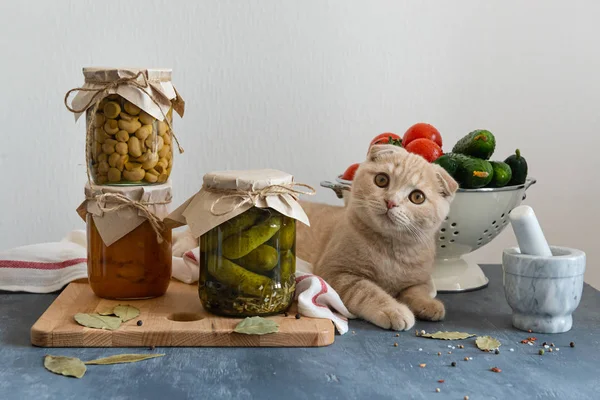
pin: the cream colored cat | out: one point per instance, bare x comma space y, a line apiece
378, 252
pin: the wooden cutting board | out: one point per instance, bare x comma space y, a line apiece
176, 319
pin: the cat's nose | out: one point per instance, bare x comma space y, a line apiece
391, 204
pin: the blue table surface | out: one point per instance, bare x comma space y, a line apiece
363, 364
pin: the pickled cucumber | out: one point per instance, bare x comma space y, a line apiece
287, 266
210, 240
262, 259
238, 246
231, 274
287, 234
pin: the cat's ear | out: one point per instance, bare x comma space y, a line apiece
448, 186
379, 150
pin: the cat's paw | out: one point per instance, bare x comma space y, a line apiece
397, 317
430, 310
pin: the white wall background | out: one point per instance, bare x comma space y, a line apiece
302, 86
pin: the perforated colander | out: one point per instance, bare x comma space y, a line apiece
476, 217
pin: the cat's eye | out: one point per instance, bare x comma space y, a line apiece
417, 197
382, 180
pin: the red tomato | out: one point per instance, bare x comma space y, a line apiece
349, 174
426, 148
422, 130
384, 138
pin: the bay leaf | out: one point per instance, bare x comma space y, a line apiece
447, 335
256, 326
487, 343
108, 311
126, 312
98, 321
67, 366
122, 358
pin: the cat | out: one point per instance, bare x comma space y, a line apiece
378, 251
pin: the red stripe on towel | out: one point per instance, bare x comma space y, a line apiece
322, 291
40, 265
190, 254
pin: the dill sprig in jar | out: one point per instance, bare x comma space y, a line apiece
245, 222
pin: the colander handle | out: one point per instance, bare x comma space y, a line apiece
528, 183
336, 187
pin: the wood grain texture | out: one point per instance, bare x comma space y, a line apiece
176, 319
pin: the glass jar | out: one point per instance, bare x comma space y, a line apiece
129, 146
134, 267
247, 264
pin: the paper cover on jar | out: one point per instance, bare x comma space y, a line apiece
156, 98
125, 216
226, 194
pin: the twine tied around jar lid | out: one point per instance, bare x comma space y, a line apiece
102, 92
252, 196
123, 201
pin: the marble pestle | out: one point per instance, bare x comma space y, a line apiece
528, 232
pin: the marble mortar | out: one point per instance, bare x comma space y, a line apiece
543, 292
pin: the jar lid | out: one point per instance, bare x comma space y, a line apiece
226, 194
118, 210
107, 74
149, 89
247, 180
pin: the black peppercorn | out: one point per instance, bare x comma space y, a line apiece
453, 363
572, 344
543, 344
298, 316
497, 351
139, 323
152, 347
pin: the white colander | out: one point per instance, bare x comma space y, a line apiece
476, 217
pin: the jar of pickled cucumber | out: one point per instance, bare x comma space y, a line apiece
246, 225
247, 264
129, 120
128, 246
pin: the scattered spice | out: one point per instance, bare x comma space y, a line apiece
544, 344
511, 349
497, 351
550, 350
453, 363
466, 358
439, 354
466, 398
572, 344
139, 323
441, 381
470, 358
285, 314
532, 339
460, 346
495, 369
354, 332
437, 390
298, 316
395, 344
529, 331
423, 331
524, 341
152, 347
420, 349
546, 347
551, 344
557, 349
422, 365
449, 352
541, 352
397, 335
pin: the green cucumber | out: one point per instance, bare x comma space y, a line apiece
479, 143
518, 165
502, 174
472, 173
448, 163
